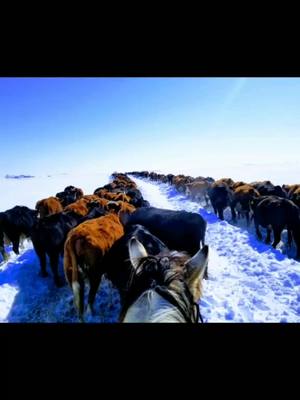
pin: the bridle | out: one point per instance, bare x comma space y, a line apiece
192, 317
191, 313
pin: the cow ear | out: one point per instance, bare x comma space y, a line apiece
136, 251
196, 266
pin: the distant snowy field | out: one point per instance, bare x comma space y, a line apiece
248, 280
28, 191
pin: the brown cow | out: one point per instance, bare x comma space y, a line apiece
242, 197
84, 250
48, 206
113, 196
198, 190
290, 189
238, 184
228, 181
80, 207
295, 196
180, 182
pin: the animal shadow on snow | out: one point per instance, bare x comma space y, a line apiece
39, 300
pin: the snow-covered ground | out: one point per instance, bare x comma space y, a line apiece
248, 280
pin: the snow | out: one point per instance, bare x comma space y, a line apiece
27, 192
248, 280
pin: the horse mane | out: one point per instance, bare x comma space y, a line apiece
164, 274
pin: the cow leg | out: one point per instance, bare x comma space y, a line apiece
206, 200
277, 236
290, 238
94, 279
268, 238
247, 218
221, 215
42, 258
54, 258
16, 243
2, 248
215, 210
78, 292
258, 233
233, 213
298, 251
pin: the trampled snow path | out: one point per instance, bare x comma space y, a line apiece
248, 280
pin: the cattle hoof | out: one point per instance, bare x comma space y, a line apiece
58, 283
81, 319
90, 310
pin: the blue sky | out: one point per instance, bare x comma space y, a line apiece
57, 125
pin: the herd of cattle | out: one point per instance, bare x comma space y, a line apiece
270, 206
92, 234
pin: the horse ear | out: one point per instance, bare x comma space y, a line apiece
136, 251
196, 266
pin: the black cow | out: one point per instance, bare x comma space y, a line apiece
145, 203
69, 195
170, 178
179, 230
66, 198
50, 233
137, 199
118, 267
15, 222
266, 188
278, 213
221, 196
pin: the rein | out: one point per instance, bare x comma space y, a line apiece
167, 295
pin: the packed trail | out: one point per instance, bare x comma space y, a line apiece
248, 281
